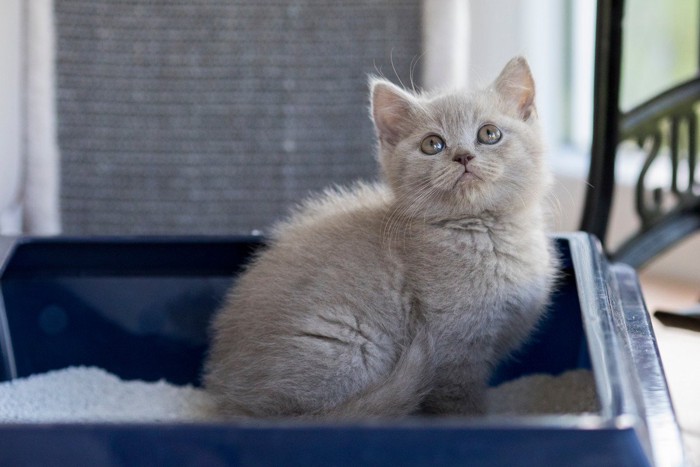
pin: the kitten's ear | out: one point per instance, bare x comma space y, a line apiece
516, 86
391, 110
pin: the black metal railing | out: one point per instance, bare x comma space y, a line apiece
664, 126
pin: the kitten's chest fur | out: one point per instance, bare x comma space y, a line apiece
478, 281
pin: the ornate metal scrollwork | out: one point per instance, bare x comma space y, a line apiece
648, 209
666, 126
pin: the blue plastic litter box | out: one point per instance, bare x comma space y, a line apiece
139, 308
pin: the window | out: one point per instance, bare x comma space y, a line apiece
660, 47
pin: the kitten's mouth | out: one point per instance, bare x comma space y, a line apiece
468, 176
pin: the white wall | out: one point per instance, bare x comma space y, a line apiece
501, 29
10, 105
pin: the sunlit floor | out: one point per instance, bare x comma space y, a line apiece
680, 354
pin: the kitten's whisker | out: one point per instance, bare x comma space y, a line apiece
412, 200
515, 188
555, 212
393, 67
414, 63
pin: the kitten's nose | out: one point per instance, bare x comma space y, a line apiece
463, 158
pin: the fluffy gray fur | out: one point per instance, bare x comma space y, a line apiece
402, 297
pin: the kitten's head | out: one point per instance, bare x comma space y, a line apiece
462, 153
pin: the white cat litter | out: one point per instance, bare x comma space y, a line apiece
81, 394
571, 392
88, 394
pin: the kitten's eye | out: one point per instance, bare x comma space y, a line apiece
489, 134
432, 145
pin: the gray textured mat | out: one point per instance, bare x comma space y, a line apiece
212, 116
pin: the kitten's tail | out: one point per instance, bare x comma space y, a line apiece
401, 392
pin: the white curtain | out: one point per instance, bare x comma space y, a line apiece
29, 156
10, 104
40, 182
446, 39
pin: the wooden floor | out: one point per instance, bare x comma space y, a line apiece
680, 354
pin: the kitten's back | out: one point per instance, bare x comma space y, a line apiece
318, 323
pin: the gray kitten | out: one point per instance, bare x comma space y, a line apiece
399, 298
